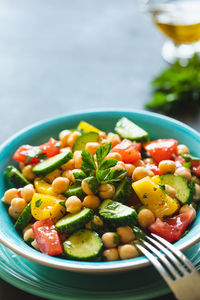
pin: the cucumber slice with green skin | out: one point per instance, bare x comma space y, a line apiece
180, 184
117, 214
84, 139
96, 224
16, 177
50, 164
123, 191
73, 222
24, 218
129, 130
93, 183
74, 189
83, 245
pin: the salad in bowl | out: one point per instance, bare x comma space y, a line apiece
91, 195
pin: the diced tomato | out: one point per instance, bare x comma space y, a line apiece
48, 149
196, 167
47, 237
161, 149
154, 169
23, 152
138, 146
128, 150
172, 228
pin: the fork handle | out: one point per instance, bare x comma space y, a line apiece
187, 288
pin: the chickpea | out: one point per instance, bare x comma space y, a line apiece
114, 155
34, 244
113, 138
91, 201
167, 166
60, 184
63, 137
119, 166
28, 173
13, 213
65, 150
111, 254
69, 174
149, 161
129, 168
183, 149
77, 159
106, 191
73, 137
110, 239
139, 163
70, 165
18, 204
170, 190
21, 166
127, 251
86, 188
28, 235
146, 217
51, 176
184, 172
27, 192
196, 195
126, 234
141, 172
102, 135
186, 208
9, 195
92, 147
73, 204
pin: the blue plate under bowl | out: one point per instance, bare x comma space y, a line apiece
156, 125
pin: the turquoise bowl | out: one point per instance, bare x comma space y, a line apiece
157, 125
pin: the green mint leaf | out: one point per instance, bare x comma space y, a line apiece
38, 202
41, 156
62, 203
116, 238
108, 163
187, 164
31, 153
162, 187
102, 152
79, 175
189, 157
101, 174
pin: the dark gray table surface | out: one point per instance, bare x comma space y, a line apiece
61, 56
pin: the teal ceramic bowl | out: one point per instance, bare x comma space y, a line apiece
157, 125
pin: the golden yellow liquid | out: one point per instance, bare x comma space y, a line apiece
179, 20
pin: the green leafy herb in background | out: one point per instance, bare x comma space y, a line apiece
177, 88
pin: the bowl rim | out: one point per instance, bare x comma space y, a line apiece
91, 267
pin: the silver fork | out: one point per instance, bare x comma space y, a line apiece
179, 273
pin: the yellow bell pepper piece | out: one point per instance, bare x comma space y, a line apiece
87, 127
46, 206
156, 179
43, 187
153, 197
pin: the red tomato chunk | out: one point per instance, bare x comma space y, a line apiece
129, 151
161, 149
172, 228
33, 153
47, 237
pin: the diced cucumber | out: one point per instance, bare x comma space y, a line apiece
73, 222
74, 189
124, 190
96, 224
180, 184
24, 218
16, 177
50, 164
117, 214
84, 139
93, 183
129, 130
83, 245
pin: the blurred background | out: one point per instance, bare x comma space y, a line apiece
62, 56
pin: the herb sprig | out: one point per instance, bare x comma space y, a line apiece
177, 88
104, 173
